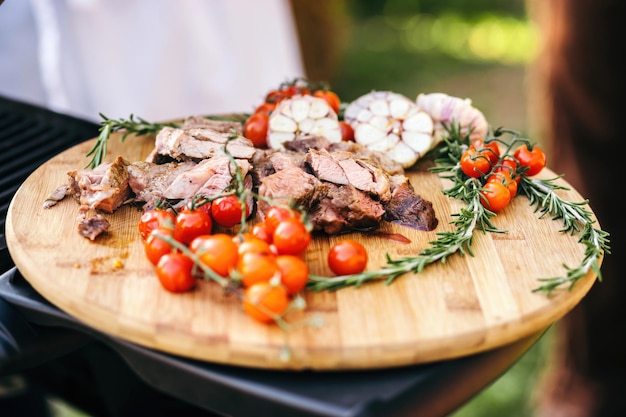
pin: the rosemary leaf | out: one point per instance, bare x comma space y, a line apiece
137, 126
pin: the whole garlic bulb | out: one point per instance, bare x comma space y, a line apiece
445, 109
391, 123
301, 116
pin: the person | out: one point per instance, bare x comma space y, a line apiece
581, 87
155, 59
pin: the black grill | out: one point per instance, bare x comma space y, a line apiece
29, 136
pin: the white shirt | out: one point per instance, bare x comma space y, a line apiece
156, 59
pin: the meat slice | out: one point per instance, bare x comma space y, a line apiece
325, 167
364, 153
149, 181
407, 208
181, 182
291, 183
92, 227
364, 176
303, 144
200, 143
104, 188
345, 208
221, 126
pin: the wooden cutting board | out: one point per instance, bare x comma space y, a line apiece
464, 306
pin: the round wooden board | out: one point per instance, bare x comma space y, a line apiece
463, 306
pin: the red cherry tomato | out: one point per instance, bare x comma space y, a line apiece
294, 272
475, 163
291, 237
504, 178
347, 132
508, 165
490, 149
496, 196
266, 108
191, 223
155, 218
275, 215
155, 247
263, 301
227, 211
347, 257
533, 159
217, 251
174, 271
255, 129
330, 97
256, 267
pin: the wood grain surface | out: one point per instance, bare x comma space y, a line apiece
463, 306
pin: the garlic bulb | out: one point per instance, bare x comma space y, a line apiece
302, 116
392, 124
445, 109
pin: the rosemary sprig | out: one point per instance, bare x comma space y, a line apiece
138, 126
465, 223
576, 219
541, 193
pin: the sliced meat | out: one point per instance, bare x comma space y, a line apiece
292, 183
104, 188
407, 208
325, 167
362, 152
222, 172
222, 126
57, 195
345, 208
200, 143
303, 145
92, 227
364, 176
149, 181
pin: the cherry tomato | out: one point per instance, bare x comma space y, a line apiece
275, 215
174, 272
330, 97
247, 242
291, 237
217, 251
496, 196
155, 247
255, 129
504, 178
294, 272
275, 96
256, 267
532, 158
508, 165
490, 149
266, 108
155, 218
260, 230
347, 257
191, 223
475, 163
263, 301
226, 211
347, 132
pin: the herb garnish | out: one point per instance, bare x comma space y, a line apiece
541, 193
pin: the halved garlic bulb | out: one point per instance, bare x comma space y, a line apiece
302, 116
445, 110
391, 123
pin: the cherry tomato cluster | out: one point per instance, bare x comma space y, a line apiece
256, 126
500, 174
266, 262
